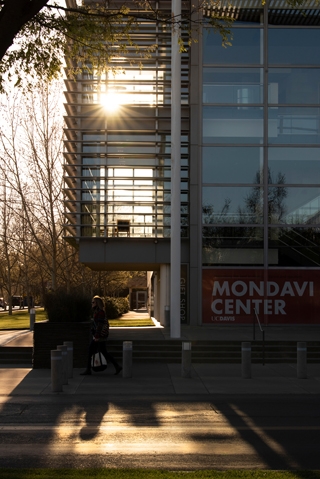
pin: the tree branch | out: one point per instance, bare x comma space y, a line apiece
13, 16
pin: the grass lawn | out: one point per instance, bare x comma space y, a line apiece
130, 323
21, 320
151, 474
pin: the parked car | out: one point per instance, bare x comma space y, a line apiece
3, 304
17, 301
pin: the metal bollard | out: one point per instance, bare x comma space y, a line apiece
167, 316
56, 371
127, 359
32, 318
63, 349
69, 345
186, 360
302, 360
246, 360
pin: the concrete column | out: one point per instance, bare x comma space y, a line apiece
69, 345
127, 359
164, 290
302, 360
156, 295
32, 318
56, 371
246, 360
186, 360
63, 349
175, 242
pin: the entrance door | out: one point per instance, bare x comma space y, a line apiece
141, 300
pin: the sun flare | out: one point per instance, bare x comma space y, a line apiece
111, 101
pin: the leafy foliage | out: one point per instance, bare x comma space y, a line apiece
111, 307
88, 34
36, 35
67, 307
123, 305
115, 307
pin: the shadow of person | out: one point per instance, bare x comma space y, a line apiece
94, 415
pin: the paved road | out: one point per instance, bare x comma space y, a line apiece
184, 432
157, 419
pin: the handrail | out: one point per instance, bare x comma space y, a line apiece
254, 333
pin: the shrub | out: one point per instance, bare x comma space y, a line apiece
123, 305
111, 307
67, 307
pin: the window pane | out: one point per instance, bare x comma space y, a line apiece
289, 125
245, 47
232, 246
296, 165
231, 164
295, 246
93, 137
93, 161
232, 205
294, 85
232, 85
232, 124
93, 148
294, 205
294, 46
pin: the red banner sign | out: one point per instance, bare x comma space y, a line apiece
278, 296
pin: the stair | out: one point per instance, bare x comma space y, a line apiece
169, 351
16, 355
216, 351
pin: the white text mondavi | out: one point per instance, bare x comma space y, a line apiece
271, 293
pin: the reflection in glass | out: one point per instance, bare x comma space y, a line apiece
298, 165
294, 85
231, 164
245, 48
297, 206
232, 245
294, 46
243, 205
232, 85
232, 124
289, 125
296, 246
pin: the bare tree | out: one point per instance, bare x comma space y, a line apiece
9, 256
31, 155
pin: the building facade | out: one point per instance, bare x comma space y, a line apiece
250, 166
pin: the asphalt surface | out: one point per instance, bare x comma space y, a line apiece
214, 419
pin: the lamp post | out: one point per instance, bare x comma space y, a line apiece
175, 245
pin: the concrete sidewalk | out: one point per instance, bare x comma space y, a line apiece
166, 379
160, 379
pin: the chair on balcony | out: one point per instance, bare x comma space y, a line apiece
123, 228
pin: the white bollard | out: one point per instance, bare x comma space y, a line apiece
186, 360
56, 371
32, 318
302, 360
63, 349
127, 359
69, 345
246, 360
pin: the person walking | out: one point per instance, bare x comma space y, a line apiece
100, 333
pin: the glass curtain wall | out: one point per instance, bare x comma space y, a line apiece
119, 159
261, 140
